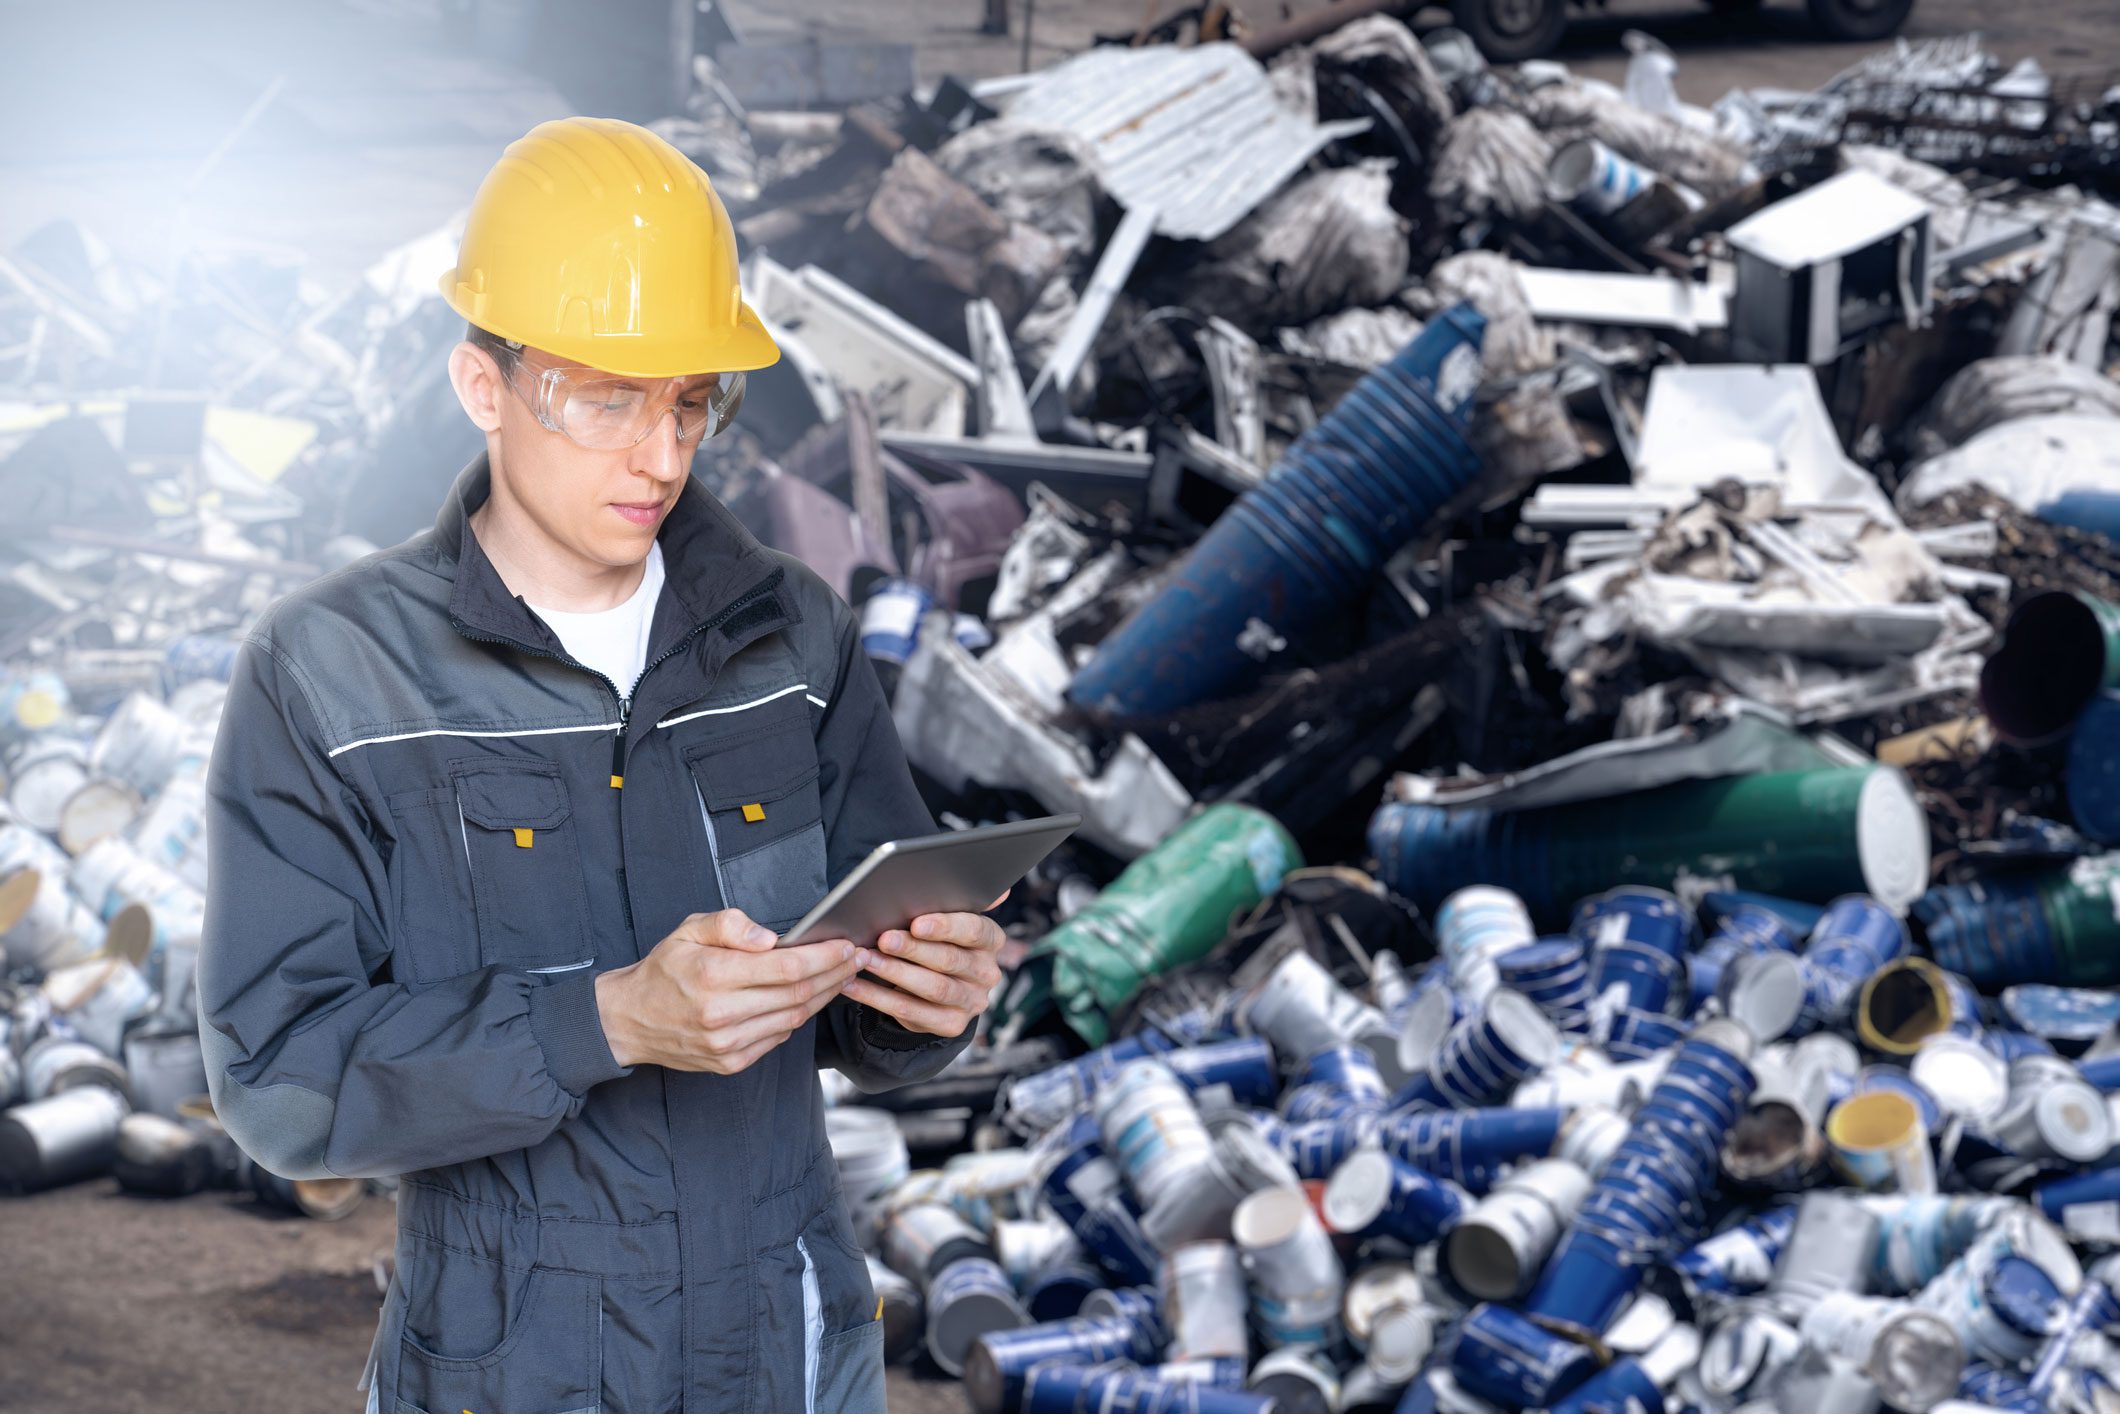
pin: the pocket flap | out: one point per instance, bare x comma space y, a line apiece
756, 770
512, 798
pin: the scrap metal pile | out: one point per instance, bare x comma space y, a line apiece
1582, 629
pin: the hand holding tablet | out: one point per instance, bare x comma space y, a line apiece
932, 965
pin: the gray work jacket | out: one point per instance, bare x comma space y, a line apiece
430, 828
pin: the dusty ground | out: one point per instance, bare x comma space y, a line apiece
116, 1304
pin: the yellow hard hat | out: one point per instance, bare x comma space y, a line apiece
596, 240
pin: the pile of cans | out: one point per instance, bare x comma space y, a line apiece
102, 879
1744, 1155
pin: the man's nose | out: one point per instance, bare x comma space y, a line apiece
660, 454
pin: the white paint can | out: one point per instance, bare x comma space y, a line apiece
1500, 1247
1204, 1303
42, 773
98, 998
172, 830
1296, 1279
102, 807
1301, 1009
142, 742
24, 847
1152, 1130
42, 924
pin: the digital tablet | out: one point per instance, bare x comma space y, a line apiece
957, 871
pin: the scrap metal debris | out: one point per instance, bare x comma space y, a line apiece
1582, 630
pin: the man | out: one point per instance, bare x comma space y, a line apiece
504, 821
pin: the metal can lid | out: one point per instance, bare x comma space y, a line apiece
1965, 1077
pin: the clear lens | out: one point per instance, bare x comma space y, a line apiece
609, 413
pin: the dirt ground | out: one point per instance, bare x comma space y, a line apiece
116, 1304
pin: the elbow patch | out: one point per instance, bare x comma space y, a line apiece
283, 1128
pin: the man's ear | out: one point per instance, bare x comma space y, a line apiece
477, 380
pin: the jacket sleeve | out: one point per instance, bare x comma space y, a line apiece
315, 1070
869, 797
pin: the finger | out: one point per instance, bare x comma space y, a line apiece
745, 1059
956, 958
729, 928
934, 986
753, 1001
919, 1015
770, 1026
965, 930
788, 965
1000, 896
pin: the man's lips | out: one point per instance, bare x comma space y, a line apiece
639, 512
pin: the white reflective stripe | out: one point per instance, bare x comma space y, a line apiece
463, 832
563, 967
452, 731
812, 1328
741, 706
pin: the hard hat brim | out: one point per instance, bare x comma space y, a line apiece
742, 348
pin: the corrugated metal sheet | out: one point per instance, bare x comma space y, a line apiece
1196, 133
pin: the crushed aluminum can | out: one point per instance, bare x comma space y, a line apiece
1373, 1194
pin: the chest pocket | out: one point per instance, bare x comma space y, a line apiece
525, 855
759, 803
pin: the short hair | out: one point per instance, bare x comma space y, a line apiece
491, 342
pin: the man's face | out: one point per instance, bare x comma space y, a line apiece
605, 505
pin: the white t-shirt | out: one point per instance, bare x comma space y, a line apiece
613, 641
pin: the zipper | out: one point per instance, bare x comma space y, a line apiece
625, 704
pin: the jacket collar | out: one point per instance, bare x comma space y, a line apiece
709, 560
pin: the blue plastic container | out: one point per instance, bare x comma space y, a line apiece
1303, 544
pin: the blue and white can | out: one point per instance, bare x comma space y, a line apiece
1856, 936
969, 1298
1638, 1035
1504, 1356
1555, 974
1317, 1148
1056, 1293
1071, 1389
1739, 1260
890, 619
1746, 928
1373, 1194
1486, 1055
1469, 1147
995, 1368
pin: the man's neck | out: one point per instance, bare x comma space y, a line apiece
545, 573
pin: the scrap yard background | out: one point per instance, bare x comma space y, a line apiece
293, 170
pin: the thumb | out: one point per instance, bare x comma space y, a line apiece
726, 928
733, 928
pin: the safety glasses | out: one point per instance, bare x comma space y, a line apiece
605, 412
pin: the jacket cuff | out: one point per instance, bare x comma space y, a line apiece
567, 1025
887, 1032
